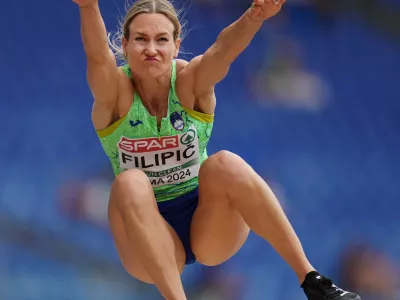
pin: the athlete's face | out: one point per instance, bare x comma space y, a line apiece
151, 46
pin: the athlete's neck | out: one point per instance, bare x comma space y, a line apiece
154, 93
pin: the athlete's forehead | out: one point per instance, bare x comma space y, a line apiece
151, 24
144, 33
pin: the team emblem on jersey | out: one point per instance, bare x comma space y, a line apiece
177, 121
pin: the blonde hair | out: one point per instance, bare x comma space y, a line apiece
164, 7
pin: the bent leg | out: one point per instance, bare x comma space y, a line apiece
218, 230
227, 181
149, 248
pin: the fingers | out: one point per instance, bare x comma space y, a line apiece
275, 2
265, 9
279, 2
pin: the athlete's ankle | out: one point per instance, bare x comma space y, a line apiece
301, 275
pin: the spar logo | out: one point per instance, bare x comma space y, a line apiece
148, 144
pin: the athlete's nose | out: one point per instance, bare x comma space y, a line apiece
151, 49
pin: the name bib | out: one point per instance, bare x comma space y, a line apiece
165, 160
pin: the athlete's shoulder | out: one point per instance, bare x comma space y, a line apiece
181, 64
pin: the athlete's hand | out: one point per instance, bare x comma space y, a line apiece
262, 10
84, 3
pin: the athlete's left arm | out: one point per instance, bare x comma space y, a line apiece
213, 66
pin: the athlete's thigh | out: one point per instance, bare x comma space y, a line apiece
218, 231
128, 252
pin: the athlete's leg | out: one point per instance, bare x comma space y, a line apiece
232, 195
148, 247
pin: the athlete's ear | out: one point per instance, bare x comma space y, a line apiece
177, 46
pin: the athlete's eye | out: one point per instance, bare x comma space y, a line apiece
139, 39
163, 39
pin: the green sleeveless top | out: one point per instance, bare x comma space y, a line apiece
170, 156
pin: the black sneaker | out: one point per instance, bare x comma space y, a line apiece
318, 287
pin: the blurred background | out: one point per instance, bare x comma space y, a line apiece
313, 105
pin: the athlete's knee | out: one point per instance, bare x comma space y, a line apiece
225, 166
131, 189
221, 161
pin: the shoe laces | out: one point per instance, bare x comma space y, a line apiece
331, 290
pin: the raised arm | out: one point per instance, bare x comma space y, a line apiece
209, 69
102, 70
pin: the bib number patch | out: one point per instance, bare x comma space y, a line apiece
165, 160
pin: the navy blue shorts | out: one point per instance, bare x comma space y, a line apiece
179, 213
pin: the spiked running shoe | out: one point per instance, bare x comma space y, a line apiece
318, 287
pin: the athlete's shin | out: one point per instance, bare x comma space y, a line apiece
147, 232
252, 197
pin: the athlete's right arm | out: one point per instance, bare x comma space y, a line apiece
102, 72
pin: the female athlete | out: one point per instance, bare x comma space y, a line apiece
170, 204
